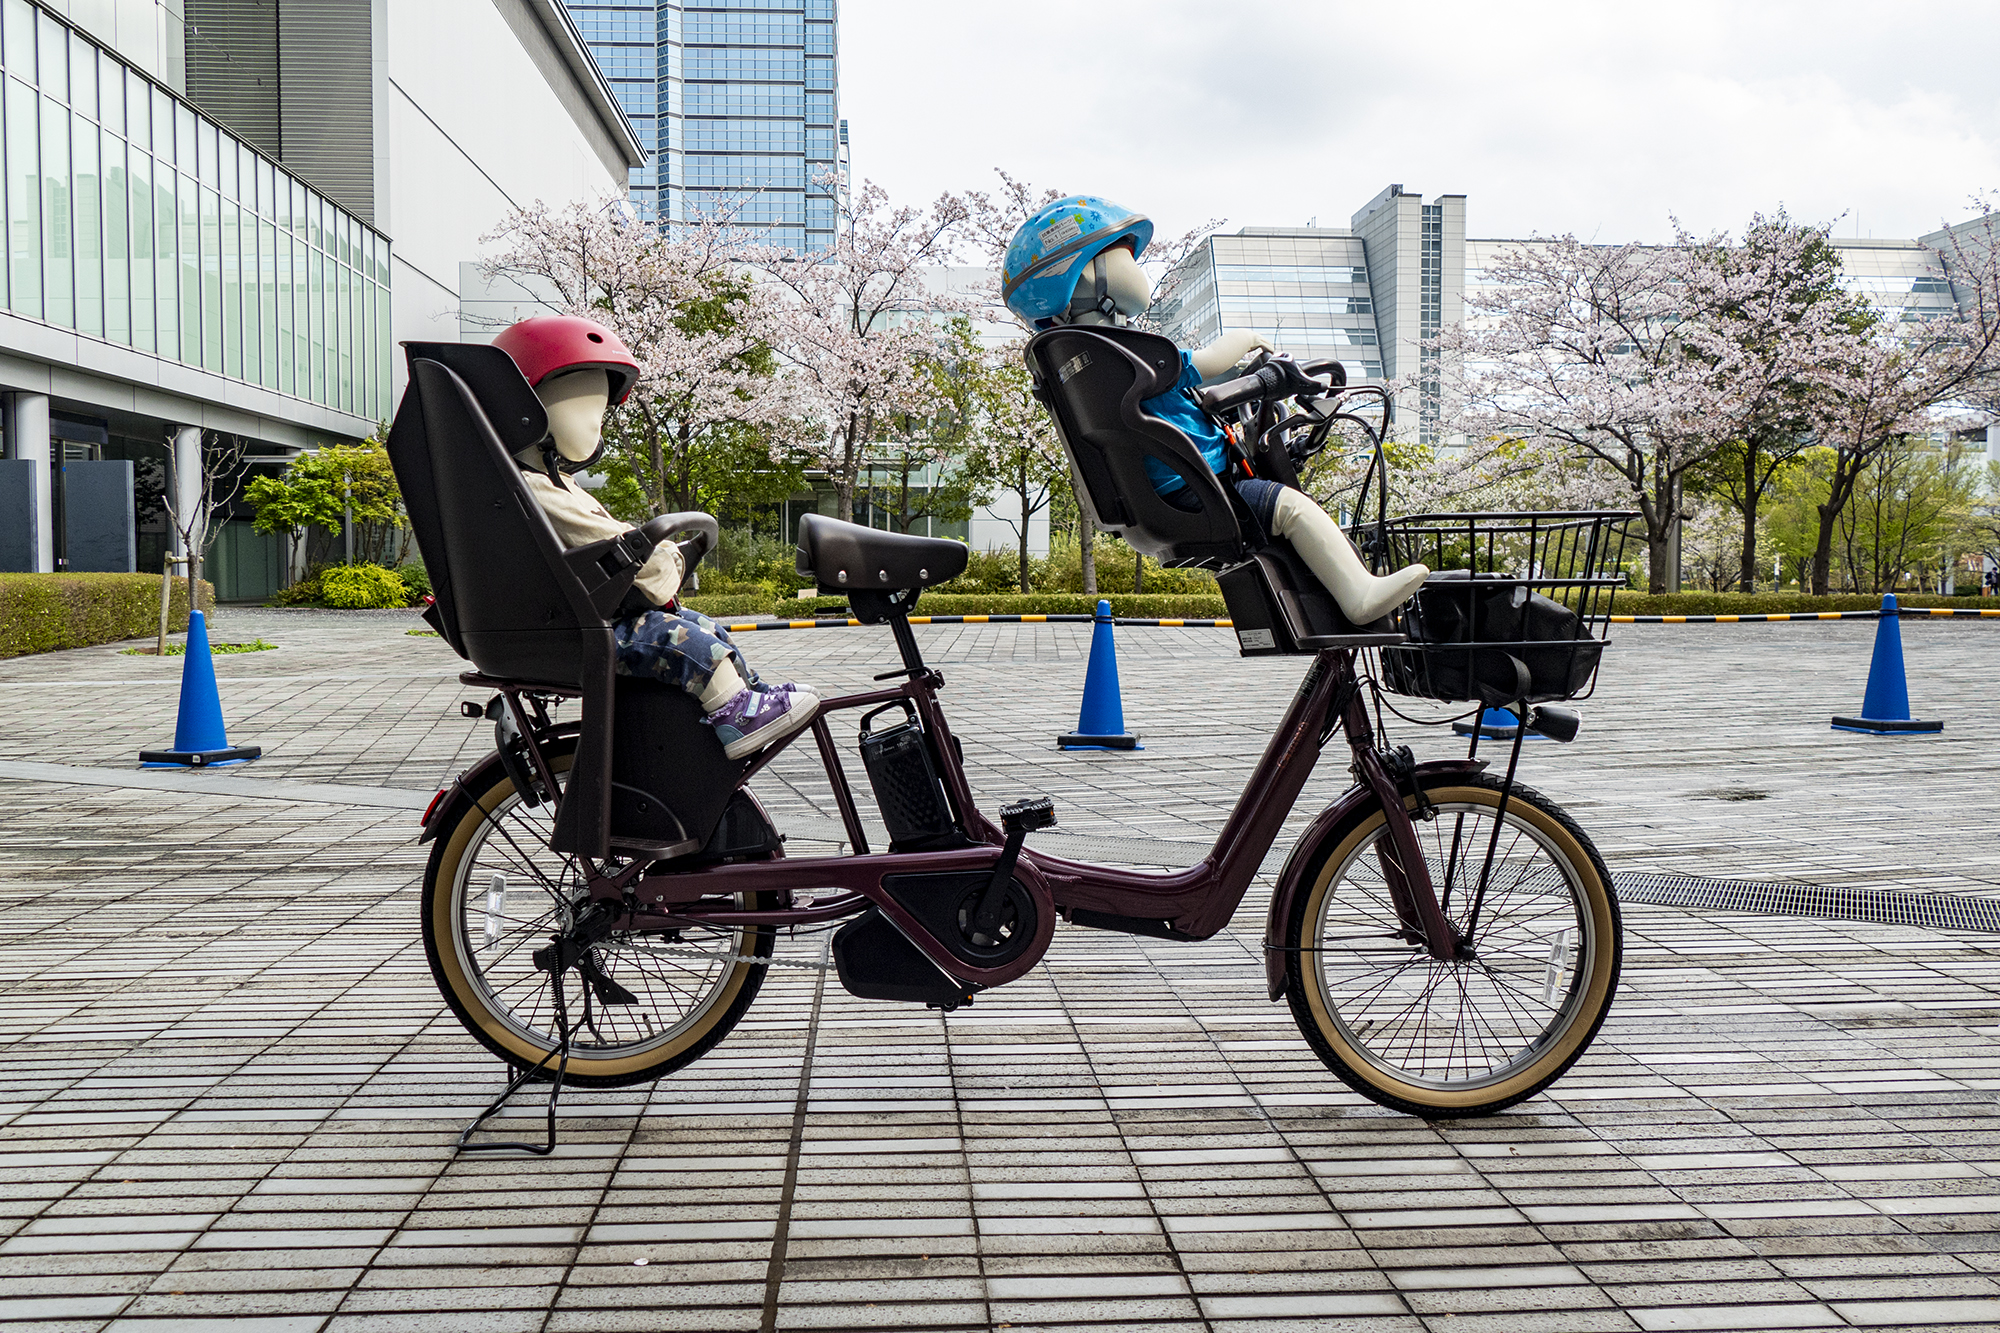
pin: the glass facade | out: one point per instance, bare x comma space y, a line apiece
133, 219
1306, 291
732, 98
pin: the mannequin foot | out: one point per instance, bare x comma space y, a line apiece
751, 720
1376, 597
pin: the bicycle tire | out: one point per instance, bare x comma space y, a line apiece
1370, 1003
498, 996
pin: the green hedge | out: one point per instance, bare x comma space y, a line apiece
736, 606
1742, 604
43, 612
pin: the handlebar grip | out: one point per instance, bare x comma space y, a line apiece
1234, 393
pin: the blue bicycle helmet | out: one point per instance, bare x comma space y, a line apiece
1051, 248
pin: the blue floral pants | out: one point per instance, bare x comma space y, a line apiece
678, 647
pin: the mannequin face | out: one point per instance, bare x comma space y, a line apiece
1124, 281
575, 402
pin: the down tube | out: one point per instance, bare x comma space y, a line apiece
1201, 900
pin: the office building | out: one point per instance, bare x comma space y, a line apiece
1371, 294
222, 218
736, 100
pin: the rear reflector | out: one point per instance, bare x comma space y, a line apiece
431, 809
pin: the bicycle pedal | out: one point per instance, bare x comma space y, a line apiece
1035, 812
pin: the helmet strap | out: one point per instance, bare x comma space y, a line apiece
552, 463
1104, 305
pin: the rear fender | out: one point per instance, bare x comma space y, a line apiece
458, 798
1330, 824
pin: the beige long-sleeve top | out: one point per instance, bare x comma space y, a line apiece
579, 520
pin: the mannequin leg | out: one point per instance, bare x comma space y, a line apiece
1363, 597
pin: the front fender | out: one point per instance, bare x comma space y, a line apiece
1330, 823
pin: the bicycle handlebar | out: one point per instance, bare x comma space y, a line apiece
706, 532
1278, 377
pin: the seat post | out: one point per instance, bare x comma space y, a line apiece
906, 643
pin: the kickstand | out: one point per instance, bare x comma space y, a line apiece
564, 1031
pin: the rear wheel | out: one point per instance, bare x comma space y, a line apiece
1520, 1003
494, 893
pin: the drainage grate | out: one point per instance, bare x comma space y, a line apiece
1886, 907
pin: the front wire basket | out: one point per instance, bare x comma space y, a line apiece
1517, 607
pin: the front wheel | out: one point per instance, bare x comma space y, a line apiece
1533, 976
494, 893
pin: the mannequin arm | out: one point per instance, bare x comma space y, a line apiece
1215, 361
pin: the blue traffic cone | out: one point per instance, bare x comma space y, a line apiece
1101, 723
1885, 707
1494, 724
200, 739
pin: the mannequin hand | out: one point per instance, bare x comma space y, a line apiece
1215, 361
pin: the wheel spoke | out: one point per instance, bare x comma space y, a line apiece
1476, 1019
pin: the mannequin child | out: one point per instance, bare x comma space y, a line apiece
571, 363
1111, 288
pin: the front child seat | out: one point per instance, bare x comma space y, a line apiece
1094, 380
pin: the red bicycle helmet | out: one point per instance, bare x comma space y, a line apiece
543, 345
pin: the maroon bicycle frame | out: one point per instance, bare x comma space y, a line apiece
1189, 904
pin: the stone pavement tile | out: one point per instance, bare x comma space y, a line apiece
1733, 1317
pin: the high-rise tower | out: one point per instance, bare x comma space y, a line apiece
733, 98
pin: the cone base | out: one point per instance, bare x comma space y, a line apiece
1079, 741
234, 754
1886, 726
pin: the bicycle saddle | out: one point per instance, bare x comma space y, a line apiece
846, 557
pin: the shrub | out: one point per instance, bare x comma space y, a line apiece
1762, 603
42, 612
1170, 606
305, 592
735, 606
362, 587
417, 579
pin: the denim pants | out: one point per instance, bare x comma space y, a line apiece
678, 647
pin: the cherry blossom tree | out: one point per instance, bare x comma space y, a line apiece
1016, 450
857, 326
708, 403
1579, 348
1768, 314
1905, 377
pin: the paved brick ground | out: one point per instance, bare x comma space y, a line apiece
231, 1087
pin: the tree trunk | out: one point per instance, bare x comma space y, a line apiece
1750, 488
1026, 514
1660, 564
1822, 560
1087, 534
844, 496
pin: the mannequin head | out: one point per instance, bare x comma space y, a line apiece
1125, 283
575, 401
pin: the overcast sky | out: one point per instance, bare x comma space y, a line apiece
1604, 119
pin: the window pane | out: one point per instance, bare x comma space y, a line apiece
231, 255
344, 335
24, 193
211, 279
139, 173
183, 139
110, 93
166, 264
86, 221
316, 321
137, 125
20, 49
188, 242
53, 53
57, 299
267, 304
287, 347
82, 78
117, 298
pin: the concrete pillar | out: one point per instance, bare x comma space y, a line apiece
28, 439
186, 480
